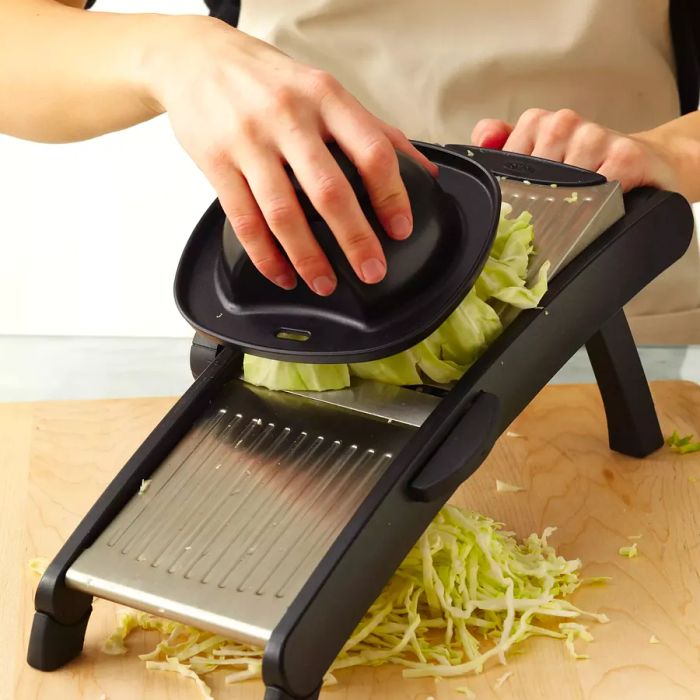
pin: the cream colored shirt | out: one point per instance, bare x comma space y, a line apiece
435, 68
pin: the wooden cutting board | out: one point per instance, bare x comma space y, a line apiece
57, 457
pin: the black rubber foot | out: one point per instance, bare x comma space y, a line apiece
52, 644
277, 694
633, 426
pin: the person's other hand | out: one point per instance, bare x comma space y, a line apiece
242, 109
565, 136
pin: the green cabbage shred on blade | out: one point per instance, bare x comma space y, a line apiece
467, 594
446, 354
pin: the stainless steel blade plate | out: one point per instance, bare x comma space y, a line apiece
237, 517
566, 219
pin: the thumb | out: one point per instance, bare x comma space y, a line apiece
491, 133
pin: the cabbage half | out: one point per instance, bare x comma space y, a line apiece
447, 353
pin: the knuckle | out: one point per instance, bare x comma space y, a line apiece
329, 191
624, 152
561, 125
589, 132
384, 200
217, 159
566, 117
268, 264
378, 157
284, 100
395, 134
308, 265
246, 129
279, 213
532, 116
322, 83
247, 227
358, 240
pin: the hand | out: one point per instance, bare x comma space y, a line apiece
241, 109
564, 136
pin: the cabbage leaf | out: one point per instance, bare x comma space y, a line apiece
446, 354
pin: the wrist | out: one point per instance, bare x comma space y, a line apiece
167, 52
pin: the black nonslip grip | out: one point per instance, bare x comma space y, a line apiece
461, 452
538, 171
52, 644
273, 693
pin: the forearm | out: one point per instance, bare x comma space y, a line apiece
67, 74
680, 140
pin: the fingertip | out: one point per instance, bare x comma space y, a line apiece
323, 285
400, 227
491, 133
493, 140
433, 169
373, 270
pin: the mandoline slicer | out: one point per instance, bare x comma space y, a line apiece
277, 517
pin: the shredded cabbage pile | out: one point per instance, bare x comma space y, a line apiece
447, 353
467, 593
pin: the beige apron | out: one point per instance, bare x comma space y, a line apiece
435, 68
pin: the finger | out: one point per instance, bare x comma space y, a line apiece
250, 228
280, 207
356, 132
611, 171
522, 139
491, 133
624, 162
587, 147
331, 194
554, 132
399, 141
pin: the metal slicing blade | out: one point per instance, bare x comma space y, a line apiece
564, 228
237, 517
566, 221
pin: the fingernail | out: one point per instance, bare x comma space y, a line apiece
492, 140
323, 285
400, 227
373, 270
286, 281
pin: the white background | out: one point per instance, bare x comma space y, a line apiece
90, 233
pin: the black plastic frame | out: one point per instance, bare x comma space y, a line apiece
592, 290
582, 307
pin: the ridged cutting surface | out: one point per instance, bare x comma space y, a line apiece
243, 509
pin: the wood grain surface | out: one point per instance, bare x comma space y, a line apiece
57, 457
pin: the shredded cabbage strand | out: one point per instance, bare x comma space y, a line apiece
445, 355
682, 445
467, 593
